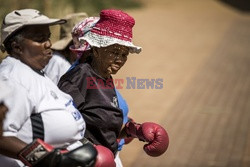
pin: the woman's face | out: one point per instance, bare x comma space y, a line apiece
3, 110
109, 60
35, 48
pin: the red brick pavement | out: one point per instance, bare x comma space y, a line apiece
209, 120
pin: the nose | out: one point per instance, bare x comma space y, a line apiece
48, 43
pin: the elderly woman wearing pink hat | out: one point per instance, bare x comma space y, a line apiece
106, 42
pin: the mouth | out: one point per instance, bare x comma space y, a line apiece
47, 56
49, 53
115, 67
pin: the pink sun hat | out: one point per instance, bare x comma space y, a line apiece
113, 27
78, 31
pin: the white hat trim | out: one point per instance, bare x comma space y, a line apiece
103, 41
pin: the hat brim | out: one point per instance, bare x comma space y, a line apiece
46, 22
62, 43
103, 41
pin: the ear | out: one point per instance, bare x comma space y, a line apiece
16, 48
95, 52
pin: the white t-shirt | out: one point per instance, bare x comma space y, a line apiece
56, 67
54, 117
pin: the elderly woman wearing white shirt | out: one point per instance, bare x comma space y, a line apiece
42, 127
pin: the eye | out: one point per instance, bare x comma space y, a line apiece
39, 39
116, 53
112, 54
42, 38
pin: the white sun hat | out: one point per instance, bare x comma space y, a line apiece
20, 18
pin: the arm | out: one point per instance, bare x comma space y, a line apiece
124, 107
74, 84
123, 134
19, 109
11, 146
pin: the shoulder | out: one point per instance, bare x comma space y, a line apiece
77, 75
81, 69
57, 61
59, 58
14, 69
84, 66
18, 73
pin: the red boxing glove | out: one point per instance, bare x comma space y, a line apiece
154, 134
105, 158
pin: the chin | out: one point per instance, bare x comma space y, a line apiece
114, 72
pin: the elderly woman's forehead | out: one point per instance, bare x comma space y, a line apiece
35, 29
118, 47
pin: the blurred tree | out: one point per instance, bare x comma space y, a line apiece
52, 7
47, 7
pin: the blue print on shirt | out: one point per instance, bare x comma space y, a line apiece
68, 103
77, 115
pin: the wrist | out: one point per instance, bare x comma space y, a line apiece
134, 130
34, 152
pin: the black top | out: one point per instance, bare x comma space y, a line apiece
96, 99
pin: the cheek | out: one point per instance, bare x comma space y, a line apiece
29, 48
34, 56
106, 62
36, 51
32, 53
123, 61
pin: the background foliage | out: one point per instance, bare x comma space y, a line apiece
60, 8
